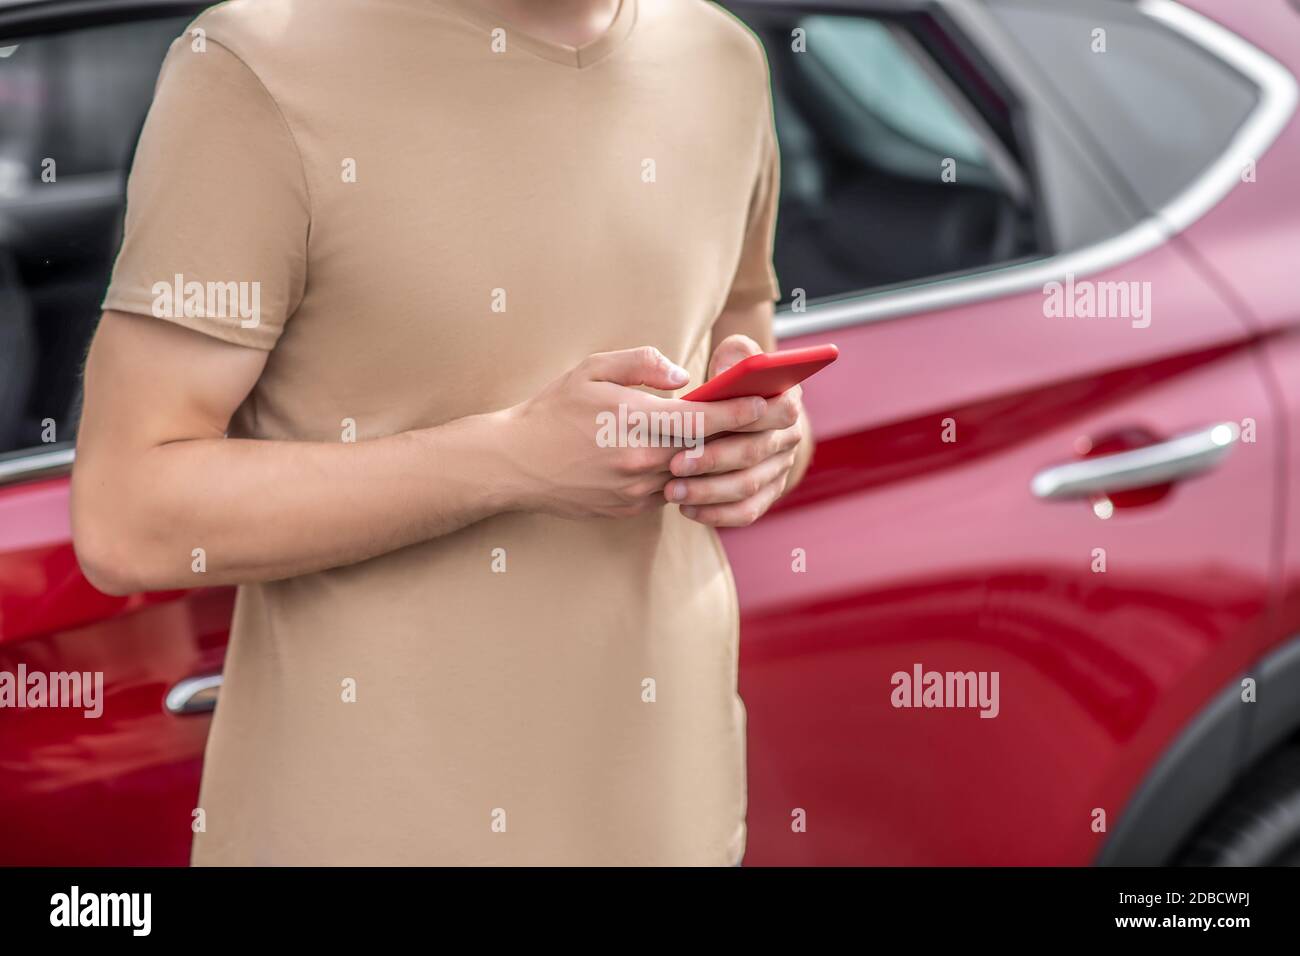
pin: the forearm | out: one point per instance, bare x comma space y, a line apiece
264, 510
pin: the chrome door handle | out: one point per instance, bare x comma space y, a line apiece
1180, 457
194, 695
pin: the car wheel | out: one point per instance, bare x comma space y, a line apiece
1258, 823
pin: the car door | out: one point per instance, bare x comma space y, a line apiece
113, 779
1036, 536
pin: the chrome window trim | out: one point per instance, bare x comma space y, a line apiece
1277, 104
36, 464
103, 187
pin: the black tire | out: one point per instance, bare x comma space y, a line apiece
1258, 823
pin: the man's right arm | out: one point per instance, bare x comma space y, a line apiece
156, 478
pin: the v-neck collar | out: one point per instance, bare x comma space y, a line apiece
578, 57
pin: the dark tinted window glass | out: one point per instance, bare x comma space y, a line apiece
71, 108
1162, 108
885, 177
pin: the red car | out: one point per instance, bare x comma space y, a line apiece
1038, 600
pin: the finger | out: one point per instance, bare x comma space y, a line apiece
694, 421
730, 351
782, 412
649, 461
737, 514
734, 452
632, 367
729, 486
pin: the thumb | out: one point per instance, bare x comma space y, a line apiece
632, 367
730, 351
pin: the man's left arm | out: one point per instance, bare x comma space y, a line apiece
755, 323
738, 477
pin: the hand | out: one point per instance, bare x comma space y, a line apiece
560, 467
739, 476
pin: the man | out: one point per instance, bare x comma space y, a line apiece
407, 252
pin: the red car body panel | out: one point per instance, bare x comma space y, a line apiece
918, 551
924, 552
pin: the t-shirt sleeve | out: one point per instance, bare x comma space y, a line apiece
755, 279
217, 208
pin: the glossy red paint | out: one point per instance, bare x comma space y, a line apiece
925, 552
112, 790
918, 551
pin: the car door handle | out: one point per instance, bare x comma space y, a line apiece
194, 695
1177, 458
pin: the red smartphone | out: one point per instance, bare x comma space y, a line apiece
766, 375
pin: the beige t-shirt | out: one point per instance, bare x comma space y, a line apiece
423, 213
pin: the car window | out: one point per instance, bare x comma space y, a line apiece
872, 66
71, 107
1160, 107
885, 177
